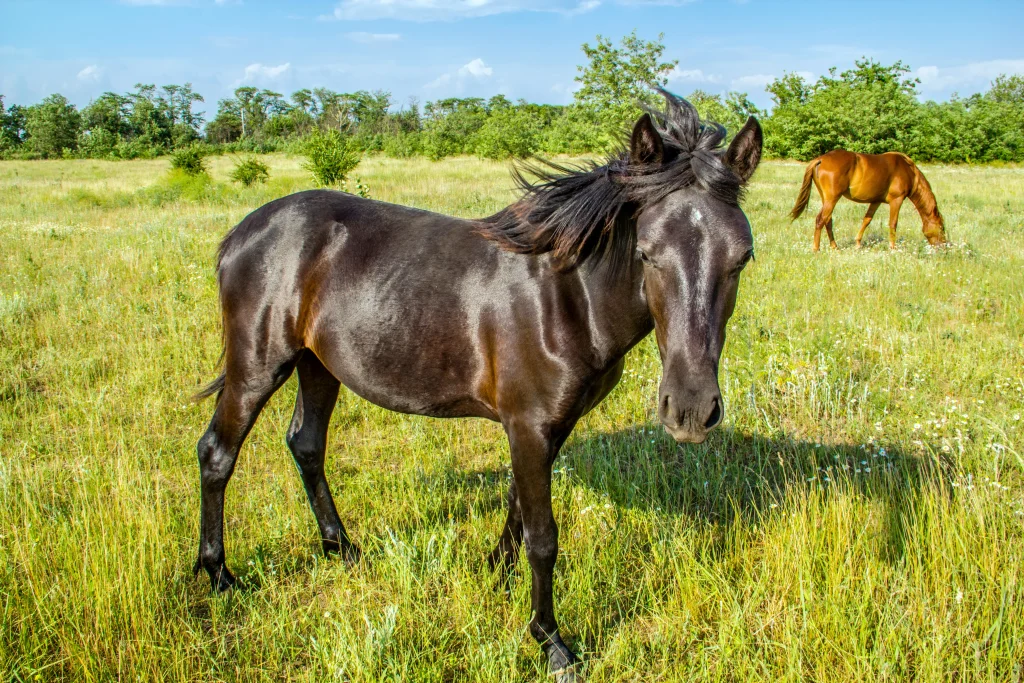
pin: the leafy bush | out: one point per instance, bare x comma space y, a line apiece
189, 160
329, 157
403, 145
509, 132
250, 171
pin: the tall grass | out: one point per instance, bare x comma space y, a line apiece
860, 516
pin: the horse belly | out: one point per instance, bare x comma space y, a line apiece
414, 359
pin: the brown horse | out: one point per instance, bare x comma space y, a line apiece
869, 179
523, 317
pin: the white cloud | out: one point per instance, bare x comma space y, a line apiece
475, 71
364, 37
752, 82
258, 71
89, 74
583, 7
449, 10
974, 76
477, 68
443, 79
692, 76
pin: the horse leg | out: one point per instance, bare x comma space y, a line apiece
867, 220
238, 406
505, 554
831, 237
824, 218
533, 451
894, 217
307, 440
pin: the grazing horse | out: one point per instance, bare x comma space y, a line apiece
869, 179
523, 318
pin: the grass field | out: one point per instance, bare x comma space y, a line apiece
858, 517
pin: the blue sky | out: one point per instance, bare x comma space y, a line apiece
522, 48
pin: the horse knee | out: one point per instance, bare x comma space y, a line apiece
307, 454
542, 548
215, 462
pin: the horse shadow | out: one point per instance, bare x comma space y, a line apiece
747, 477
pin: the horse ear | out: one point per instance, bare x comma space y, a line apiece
744, 153
645, 146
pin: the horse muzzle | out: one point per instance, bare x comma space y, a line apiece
688, 416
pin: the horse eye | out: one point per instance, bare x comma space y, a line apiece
643, 256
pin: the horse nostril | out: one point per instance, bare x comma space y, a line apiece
716, 414
668, 416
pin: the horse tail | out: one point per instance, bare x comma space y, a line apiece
805, 190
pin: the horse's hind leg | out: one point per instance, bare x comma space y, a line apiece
831, 237
823, 219
307, 439
238, 406
867, 221
506, 552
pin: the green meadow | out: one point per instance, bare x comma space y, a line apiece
859, 516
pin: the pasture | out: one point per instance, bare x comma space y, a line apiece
858, 516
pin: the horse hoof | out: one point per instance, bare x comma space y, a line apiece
352, 556
562, 663
568, 675
223, 581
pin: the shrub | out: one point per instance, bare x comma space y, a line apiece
189, 160
329, 157
509, 132
250, 171
403, 145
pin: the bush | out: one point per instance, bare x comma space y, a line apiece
250, 171
329, 157
403, 145
189, 160
509, 132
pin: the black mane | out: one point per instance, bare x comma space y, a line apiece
575, 212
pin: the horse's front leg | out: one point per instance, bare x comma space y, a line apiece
533, 452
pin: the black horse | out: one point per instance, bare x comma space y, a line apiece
523, 317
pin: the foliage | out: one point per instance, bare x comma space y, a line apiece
872, 107
52, 126
330, 157
509, 132
450, 126
615, 80
250, 171
189, 160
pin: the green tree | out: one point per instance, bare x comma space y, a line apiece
150, 121
1007, 90
12, 126
871, 108
731, 111
451, 125
616, 80
509, 131
52, 126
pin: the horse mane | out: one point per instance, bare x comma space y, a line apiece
575, 212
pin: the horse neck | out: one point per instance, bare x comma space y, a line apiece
923, 198
618, 312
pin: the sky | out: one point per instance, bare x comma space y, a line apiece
430, 49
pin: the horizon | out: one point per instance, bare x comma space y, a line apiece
434, 49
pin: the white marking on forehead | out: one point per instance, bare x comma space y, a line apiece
696, 215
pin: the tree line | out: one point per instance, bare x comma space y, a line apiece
870, 108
